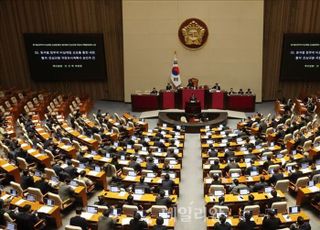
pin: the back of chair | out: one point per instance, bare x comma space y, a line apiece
97, 137
49, 173
215, 172
235, 171
72, 227
17, 187
221, 209
129, 210
280, 206
255, 209
56, 198
22, 163
156, 209
214, 188
307, 145
287, 138
282, 185
144, 172
316, 178
273, 167
302, 182
37, 193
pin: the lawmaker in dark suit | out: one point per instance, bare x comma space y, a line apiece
105, 222
277, 175
143, 185
247, 223
26, 180
293, 176
167, 183
25, 220
271, 222
159, 224
137, 224
222, 224
79, 221
72, 171
162, 200
260, 185
42, 185
274, 198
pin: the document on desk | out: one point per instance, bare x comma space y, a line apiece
5, 165
122, 193
20, 202
130, 178
45, 209
87, 215
249, 178
5, 197
147, 179
93, 173
24, 145
126, 221
314, 189
137, 197
208, 180
30, 151
166, 222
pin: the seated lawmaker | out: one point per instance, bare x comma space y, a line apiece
169, 86
79, 221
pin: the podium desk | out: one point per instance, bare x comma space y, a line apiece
167, 99
217, 99
244, 103
184, 96
145, 102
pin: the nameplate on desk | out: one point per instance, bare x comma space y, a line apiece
24, 145
147, 180
249, 178
126, 221
31, 150
314, 189
130, 178
69, 129
38, 155
87, 215
87, 139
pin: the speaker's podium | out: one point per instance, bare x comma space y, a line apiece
193, 108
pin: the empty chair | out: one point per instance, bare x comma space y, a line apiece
266, 154
287, 138
36, 193
17, 187
129, 210
213, 188
280, 206
97, 137
156, 209
307, 146
215, 172
255, 209
316, 178
22, 164
273, 167
282, 185
79, 147
316, 141
125, 170
301, 182
221, 209
234, 171
49, 173
57, 201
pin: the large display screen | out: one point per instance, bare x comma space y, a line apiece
59, 57
300, 57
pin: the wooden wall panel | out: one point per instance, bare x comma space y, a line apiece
61, 16
286, 16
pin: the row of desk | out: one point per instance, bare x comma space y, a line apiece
177, 99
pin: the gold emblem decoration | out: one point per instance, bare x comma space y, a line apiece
193, 33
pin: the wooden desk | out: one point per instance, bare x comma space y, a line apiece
10, 169
234, 221
123, 220
304, 193
53, 211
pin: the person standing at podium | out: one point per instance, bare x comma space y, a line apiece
216, 87
190, 84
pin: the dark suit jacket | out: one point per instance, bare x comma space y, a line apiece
43, 186
79, 221
163, 201
167, 185
25, 221
270, 223
219, 226
160, 227
138, 225
246, 225
275, 178
26, 181
72, 171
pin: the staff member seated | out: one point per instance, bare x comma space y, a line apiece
79, 221
137, 224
